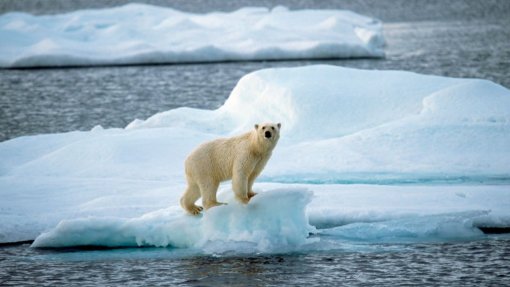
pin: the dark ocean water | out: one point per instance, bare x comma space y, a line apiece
474, 263
458, 38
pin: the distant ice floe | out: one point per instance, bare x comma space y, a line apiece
144, 34
388, 155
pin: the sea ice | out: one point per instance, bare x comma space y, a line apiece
274, 221
437, 144
140, 34
351, 125
437, 227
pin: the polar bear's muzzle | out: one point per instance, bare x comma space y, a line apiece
268, 134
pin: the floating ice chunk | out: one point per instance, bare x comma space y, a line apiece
454, 226
273, 221
138, 33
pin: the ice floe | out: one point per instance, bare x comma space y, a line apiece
383, 152
144, 34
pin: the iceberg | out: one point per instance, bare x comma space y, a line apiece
144, 34
383, 152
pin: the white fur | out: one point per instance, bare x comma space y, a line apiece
239, 158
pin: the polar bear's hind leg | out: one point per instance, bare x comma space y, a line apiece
189, 197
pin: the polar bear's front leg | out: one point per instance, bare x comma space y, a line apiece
209, 188
251, 180
240, 186
254, 174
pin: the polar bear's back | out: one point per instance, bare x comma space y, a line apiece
215, 159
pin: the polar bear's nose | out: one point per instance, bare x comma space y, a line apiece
267, 134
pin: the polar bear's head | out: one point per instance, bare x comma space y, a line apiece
268, 132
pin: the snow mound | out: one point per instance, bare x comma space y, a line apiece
138, 34
346, 124
272, 222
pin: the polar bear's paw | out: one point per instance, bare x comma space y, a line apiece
213, 204
194, 209
243, 200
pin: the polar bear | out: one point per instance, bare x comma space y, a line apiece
239, 158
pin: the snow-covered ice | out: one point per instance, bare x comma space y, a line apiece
139, 34
348, 124
387, 155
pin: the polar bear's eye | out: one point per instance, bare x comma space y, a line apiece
272, 128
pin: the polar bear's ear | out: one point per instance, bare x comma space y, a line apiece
279, 125
256, 126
